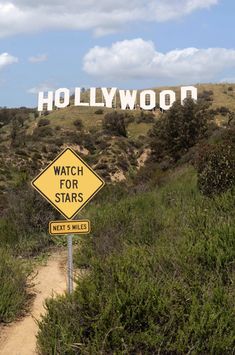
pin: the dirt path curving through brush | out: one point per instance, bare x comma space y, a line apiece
19, 338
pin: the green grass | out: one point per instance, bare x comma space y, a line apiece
13, 281
134, 130
65, 118
22, 243
160, 277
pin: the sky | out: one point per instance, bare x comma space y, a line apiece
135, 44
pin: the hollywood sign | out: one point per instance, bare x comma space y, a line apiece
128, 98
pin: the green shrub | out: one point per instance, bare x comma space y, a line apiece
100, 111
88, 143
43, 131
102, 143
13, 280
136, 304
8, 115
128, 118
160, 277
78, 124
224, 111
114, 123
59, 141
25, 222
146, 117
216, 167
43, 122
206, 95
177, 130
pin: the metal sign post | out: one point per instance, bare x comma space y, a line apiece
70, 228
70, 263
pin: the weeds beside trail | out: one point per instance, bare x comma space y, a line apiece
160, 277
13, 280
50, 279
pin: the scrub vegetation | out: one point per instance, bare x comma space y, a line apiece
160, 259
159, 263
159, 276
13, 281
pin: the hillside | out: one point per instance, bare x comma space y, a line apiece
26, 146
159, 275
158, 265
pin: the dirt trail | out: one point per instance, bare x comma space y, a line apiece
19, 338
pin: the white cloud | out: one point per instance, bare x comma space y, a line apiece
104, 16
38, 58
139, 59
41, 87
7, 59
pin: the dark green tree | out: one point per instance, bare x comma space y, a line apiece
178, 129
114, 123
215, 164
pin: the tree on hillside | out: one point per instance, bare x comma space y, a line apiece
17, 138
114, 123
215, 164
43, 122
178, 129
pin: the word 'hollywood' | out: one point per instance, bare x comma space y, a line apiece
128, 98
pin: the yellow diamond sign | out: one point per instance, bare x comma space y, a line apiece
68, 183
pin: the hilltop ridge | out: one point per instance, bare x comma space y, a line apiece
29, 141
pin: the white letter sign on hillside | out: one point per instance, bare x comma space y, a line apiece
143, 100
167, 98
128, 98
109, 96
188, 91
77, 98
62, 98
47, 101
93, 102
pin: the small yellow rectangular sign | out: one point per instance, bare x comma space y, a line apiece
70, 227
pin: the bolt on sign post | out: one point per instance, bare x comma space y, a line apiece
68, 184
